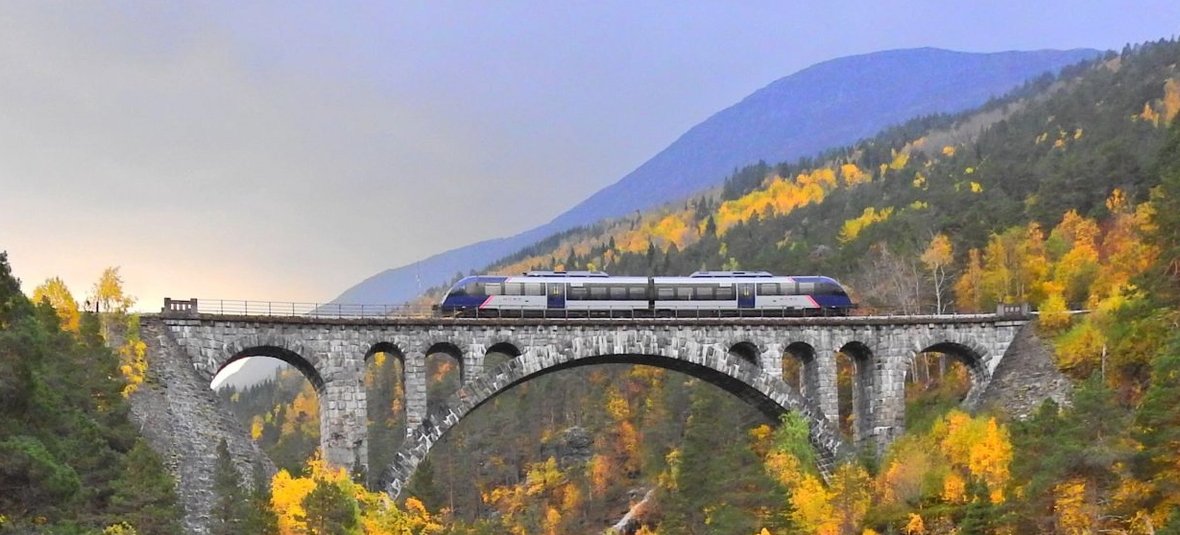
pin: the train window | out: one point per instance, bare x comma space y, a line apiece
493, 288
533, 288
664, 292
725, 292
637, 292
577, 292
513, 288
768, 288
683, 293
703, 292
790, 288
618, 293
806, 288
598, 292
474, 289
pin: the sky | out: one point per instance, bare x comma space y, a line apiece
285, 151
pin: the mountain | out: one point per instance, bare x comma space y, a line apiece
830, 104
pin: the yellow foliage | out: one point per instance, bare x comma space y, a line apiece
59, 296
919, 181
1077, 134
948, 150
761, 439
976, 187
900, 159
1054, 313
981, 446
256, 426
1080, 348
617, 406
286, 499
919, 205
1171, 99
812, 503
870, 216
915, 526
853, 175
1074, 515
1149, 114
779, 197
939, 253
954, 488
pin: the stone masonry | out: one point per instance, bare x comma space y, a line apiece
741, 355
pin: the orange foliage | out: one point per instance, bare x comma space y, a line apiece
870, 216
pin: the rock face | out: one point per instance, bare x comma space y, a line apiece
573, 447
1026, 377
183, 420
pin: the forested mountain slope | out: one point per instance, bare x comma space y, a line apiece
829, 104
1065, 194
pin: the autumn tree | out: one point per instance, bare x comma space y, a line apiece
108, 291
55, 291
937, 257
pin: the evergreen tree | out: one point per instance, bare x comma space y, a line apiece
261, 518
231, 506
330, 510
1164, 278
979, 514
1157, 424
145, 495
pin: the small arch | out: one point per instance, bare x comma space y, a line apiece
385, 404
440, 382
970, 357
388, 348
747, 351
801, 371
500, 353
281, 353
505, 348
860, 402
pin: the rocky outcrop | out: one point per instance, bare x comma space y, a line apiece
183, 420
1026, 377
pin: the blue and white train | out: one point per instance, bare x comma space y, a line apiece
597, 294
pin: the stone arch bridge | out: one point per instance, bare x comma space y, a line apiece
741, 355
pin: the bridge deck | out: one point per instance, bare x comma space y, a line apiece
567, 322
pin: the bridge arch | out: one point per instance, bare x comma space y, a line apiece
712, 364
269, 349
747, 351
973, 355
802, 355
863, 388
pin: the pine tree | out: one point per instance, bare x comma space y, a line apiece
330, 510
1164, 277
145, 495
1157, 423
261, 518
980, 515
230, 510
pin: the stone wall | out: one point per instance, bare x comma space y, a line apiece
183, 420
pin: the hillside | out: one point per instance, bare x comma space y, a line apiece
829, 104
1063, 194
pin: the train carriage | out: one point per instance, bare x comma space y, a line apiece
592, 294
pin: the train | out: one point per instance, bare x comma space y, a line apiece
598, 294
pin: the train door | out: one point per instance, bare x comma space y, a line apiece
556, 295
745, 295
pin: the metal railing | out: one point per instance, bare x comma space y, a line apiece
239, 307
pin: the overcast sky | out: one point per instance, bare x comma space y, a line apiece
285, 152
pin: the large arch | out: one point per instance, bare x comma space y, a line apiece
305, 366
715, 365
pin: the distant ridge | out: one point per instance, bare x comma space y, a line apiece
829, 104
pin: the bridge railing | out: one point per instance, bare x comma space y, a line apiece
239, 307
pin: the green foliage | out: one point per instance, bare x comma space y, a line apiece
330, 511
231, 506
65, 439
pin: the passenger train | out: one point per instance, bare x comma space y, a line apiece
597, 294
